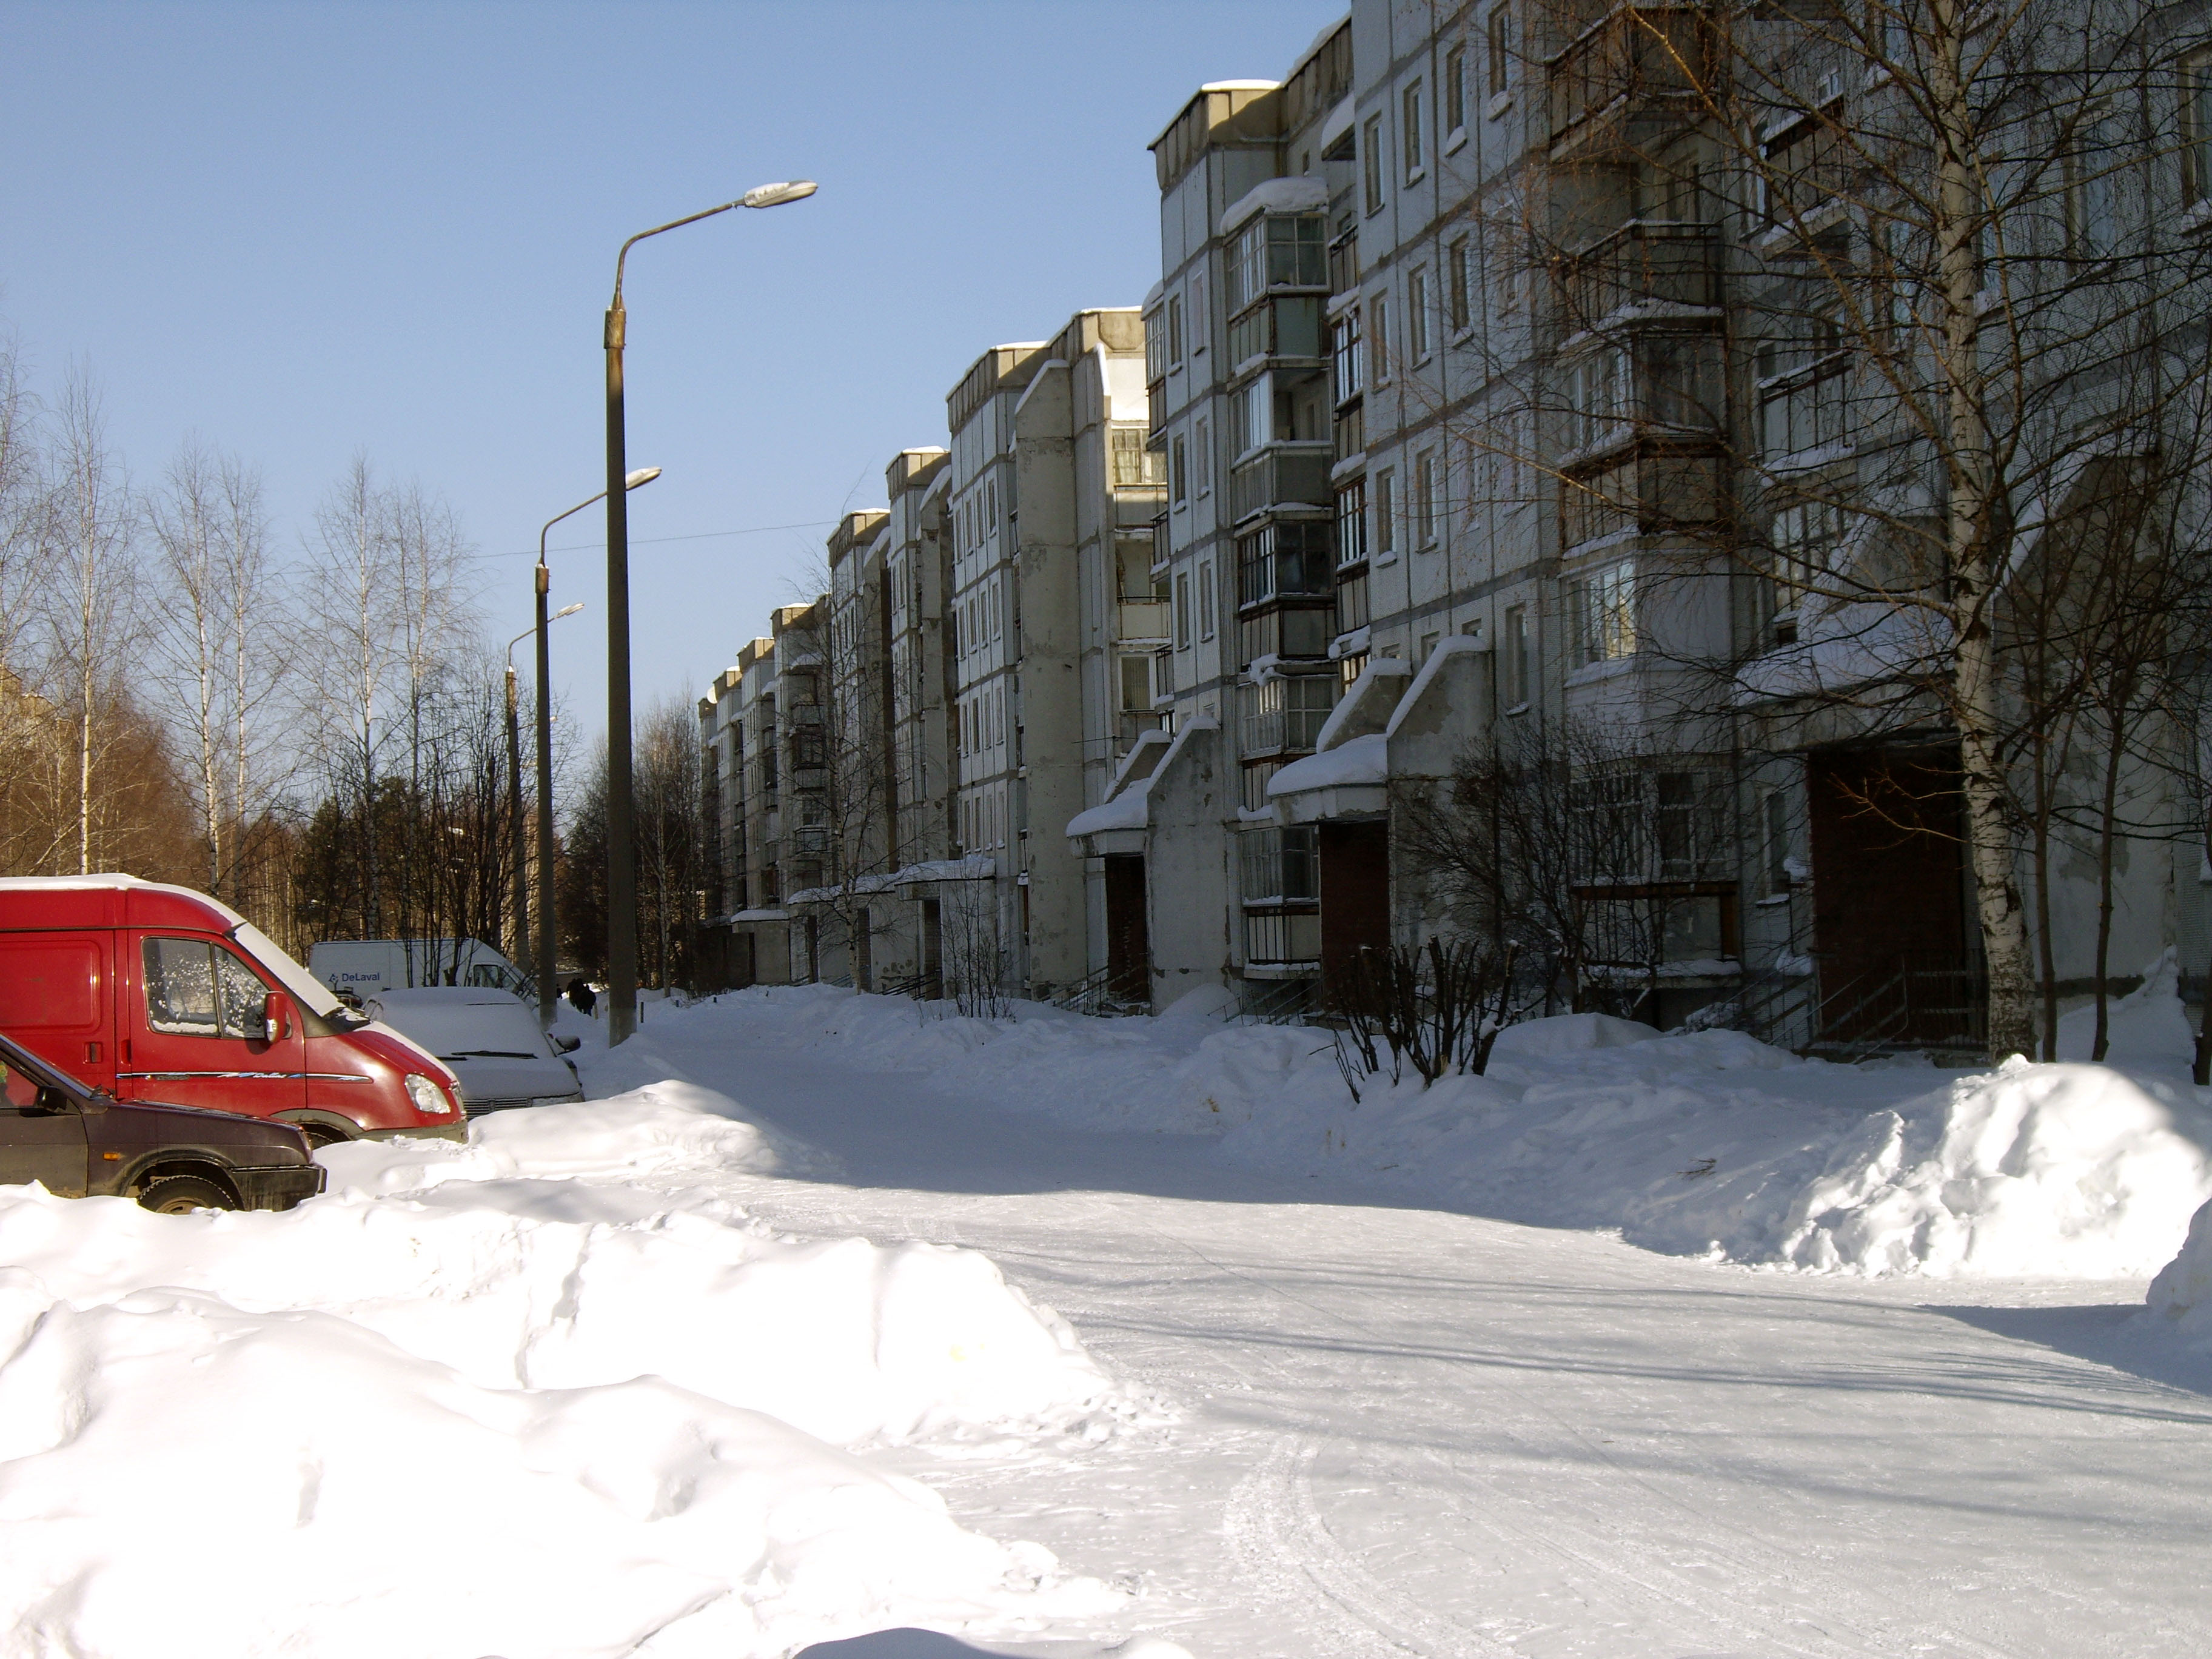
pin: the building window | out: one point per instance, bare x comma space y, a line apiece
1603, 605
1452, 116
1498, 40
1197, 313
1802, 386
1285, 711
1351, 602
1279, 866
1352, 522
1417, 313
1290, 556
1200, 438
1182, 609
1178, 470
1133, 464
1411, 103
1156, 344
1252, 407
1428, 498
1174, 329
1597, 397
1517, 653
1206, 600
1378, 340
1459, 281
1386, 516
2197, 128
1776, 825
1347, 363
1371, 163
2093, 163
1805, 538
1277, 250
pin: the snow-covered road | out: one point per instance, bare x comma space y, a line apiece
1402, 1431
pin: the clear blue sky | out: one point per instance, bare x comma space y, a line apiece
303, 230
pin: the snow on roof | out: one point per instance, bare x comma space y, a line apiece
1354, 762
1130, 807
975, 867
1337, 124
1452, 645
1301, 194
1851, 644
1378, 669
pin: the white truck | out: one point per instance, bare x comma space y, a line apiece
363, 966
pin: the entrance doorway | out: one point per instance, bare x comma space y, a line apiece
1128, 937
1890, 933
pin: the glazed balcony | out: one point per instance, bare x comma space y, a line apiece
1663, 270
1632, 72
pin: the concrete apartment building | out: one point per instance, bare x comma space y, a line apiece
1048, 489
1474, 373
1484, 410
1185, 846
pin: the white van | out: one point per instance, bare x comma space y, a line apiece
363, 966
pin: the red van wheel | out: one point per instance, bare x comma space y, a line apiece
321, 1134
182, 1194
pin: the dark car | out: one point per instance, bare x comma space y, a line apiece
79, 1141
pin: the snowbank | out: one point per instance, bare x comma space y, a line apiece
185, 1478
1704, 1143
552, 1391
2059, 1171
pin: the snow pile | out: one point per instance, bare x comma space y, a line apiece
2071, 1170
2181, 1296
665, 1130
185, 1478
1705, 1143
549, 1392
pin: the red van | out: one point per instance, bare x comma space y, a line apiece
166, 996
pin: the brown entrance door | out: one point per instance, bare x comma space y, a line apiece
1889, 917
1355, 894
1128, 937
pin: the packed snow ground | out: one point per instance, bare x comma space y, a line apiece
1404, 1428
758, 1354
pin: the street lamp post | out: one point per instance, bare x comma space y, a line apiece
622, 844
521, 899
542, 580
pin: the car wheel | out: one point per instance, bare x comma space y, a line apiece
182, 1194
321, 1135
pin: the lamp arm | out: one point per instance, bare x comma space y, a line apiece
674, 224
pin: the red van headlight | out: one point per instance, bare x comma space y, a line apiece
429, 1099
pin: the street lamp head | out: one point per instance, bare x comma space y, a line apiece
644, 475
768, 196
566, 611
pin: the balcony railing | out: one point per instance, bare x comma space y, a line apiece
1284, 325
1142, 619
1285, 474
1644, 263
1288, 629
1636, 62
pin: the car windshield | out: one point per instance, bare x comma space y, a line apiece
16, 1063
306, 989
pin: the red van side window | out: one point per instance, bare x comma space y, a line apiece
195, 989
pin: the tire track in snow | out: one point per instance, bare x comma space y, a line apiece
1288, 1554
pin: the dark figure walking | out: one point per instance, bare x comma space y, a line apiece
582, 997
